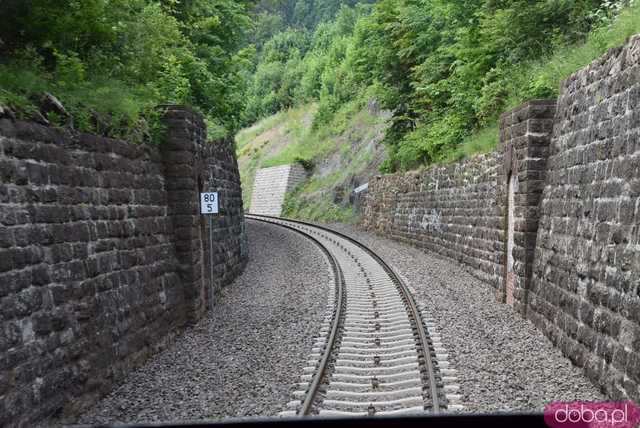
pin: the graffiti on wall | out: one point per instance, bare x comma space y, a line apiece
430, 221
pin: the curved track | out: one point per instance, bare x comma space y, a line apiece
374, 355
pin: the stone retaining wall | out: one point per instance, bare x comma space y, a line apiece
585, 286
229, 239
551, 219
451, 210
525, 135
101, 255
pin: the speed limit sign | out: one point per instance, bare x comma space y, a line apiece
209, 203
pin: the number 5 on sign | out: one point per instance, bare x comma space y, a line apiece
209, 203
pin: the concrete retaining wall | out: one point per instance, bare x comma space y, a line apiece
270, 186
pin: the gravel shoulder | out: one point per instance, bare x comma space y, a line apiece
504, 363
243, 361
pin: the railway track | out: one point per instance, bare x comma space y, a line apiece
374, 355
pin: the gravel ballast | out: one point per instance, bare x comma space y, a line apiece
504, 363
243, 361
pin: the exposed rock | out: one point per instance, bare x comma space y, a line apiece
50, 104
101, 122
373, 107
37, 117
338, 195
6, 111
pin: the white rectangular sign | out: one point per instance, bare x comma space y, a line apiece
209, 203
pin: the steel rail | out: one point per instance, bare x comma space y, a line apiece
314, 387
413, 310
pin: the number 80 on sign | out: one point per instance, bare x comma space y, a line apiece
209, 203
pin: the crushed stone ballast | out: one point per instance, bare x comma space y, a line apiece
374, 354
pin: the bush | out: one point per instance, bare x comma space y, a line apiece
117, 59
447, 69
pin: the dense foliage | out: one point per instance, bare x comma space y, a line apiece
300, 14
446, 68
118, 59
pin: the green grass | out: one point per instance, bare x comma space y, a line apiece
322, 210
247, 135
123, 104
547, 74
484, 140
246, 179
17, 83
305, 144
534, 79
542, 78
339, 138
312, 199
251, 144
309, 143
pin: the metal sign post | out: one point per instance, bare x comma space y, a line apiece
209, 205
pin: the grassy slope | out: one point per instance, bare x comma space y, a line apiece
344, 153
270, 136
550, 71
122, 103
345, 146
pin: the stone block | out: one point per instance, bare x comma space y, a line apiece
99, 251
